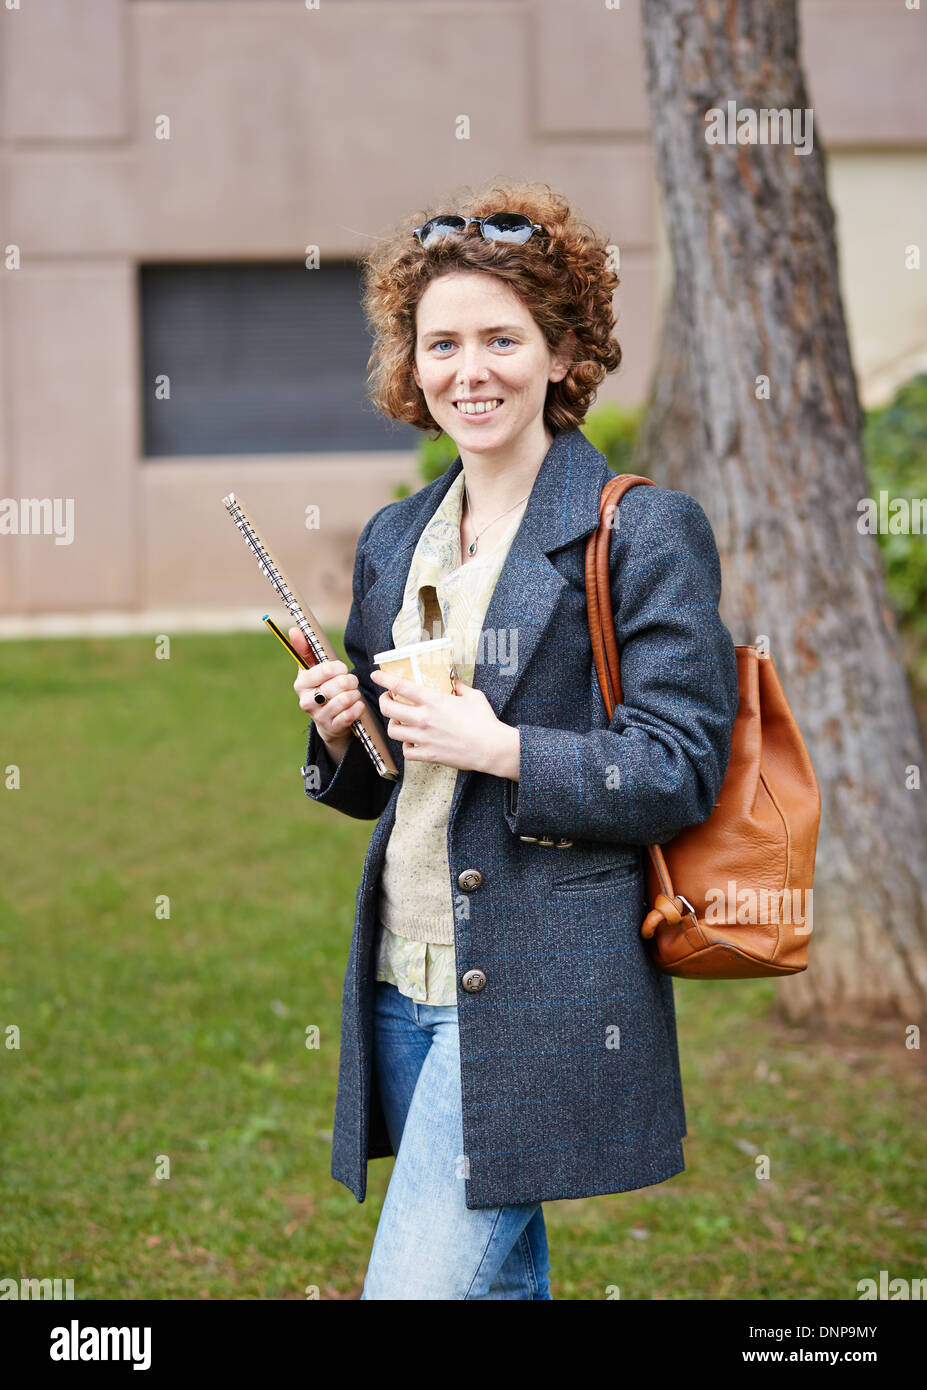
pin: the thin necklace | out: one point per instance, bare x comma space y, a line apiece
471, 548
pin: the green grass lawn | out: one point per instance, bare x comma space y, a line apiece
144, 1036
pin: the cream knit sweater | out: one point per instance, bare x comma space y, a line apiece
415, 895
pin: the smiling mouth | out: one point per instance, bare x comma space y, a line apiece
478, 407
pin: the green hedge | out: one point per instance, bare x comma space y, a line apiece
895, 447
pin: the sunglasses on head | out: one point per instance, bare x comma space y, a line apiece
498, 226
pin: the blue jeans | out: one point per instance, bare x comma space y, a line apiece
429, 1244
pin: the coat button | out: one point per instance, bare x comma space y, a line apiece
469, 879
473, 981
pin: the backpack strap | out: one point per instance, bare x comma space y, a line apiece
598, 589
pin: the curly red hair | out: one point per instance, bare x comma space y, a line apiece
564, 278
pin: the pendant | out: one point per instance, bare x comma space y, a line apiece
471, 548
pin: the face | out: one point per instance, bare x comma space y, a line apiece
478, 346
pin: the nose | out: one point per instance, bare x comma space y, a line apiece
470, 369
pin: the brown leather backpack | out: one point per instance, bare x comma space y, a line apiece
731, 897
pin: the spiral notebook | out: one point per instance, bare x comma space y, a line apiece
368, 728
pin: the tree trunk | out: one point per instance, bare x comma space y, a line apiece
780, 475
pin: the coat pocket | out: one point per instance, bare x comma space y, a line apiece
588, 878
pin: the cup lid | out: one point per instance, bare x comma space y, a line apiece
414, 649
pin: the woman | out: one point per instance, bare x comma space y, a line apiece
504, 1032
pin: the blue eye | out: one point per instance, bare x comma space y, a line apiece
447, 342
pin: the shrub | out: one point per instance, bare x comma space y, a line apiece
895, 448
613, 430
435, 455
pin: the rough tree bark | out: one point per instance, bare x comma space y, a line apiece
756, 295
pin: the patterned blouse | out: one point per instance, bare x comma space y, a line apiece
426, 970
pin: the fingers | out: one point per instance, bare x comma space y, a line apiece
402, 717
410, 702
299, 641
332, 675
340, 686
337, 716
407, 689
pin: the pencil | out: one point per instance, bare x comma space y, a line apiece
286, 642
319, 697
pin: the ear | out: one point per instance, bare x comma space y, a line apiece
564, 356
418, 379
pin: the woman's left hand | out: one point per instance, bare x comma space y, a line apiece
459, 730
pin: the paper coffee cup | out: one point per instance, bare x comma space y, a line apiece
426, 663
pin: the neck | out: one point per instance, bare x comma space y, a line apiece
497, 480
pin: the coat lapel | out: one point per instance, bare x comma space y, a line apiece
563, 505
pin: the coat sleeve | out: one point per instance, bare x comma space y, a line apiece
352, 785
659, 764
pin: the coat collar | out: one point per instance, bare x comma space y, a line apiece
563, 503
562, 506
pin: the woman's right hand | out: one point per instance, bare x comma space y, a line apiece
343, 704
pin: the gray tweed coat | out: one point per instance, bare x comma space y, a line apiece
569, 1068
